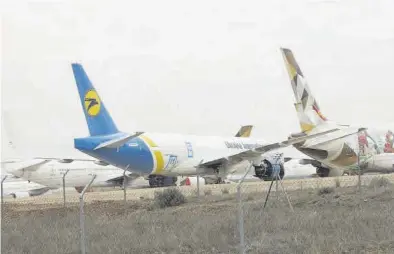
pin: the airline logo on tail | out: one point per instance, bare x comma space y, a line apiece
245, 131
92, 103
307, 108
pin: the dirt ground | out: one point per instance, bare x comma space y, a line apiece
336, 220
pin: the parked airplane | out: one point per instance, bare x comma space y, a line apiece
156, 180
166, 154
334, 155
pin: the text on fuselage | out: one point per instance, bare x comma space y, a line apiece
240, 145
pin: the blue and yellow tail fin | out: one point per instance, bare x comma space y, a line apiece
97, 117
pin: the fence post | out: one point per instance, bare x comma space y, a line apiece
82, 215
198, 186
124, 189
241, 213
2, 193
64, 188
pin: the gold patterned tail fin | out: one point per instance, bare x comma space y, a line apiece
308, 111
245, 131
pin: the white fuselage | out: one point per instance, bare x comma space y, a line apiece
173, 154
341, 154
51, 173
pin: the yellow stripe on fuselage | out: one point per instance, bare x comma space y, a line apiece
159, 162
156, 154
148, 141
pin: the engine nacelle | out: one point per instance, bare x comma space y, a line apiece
79, 189
265, 170
162, 181
38, 192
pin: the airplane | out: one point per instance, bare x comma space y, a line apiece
371, 148
167, 154
156, 180
48, 172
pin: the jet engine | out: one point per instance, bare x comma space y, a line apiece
162, 181
265, 170
38, 192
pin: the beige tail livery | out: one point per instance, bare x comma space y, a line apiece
308, 111
245, 131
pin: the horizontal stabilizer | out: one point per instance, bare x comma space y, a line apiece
114, 143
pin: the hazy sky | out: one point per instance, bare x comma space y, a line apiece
201, 67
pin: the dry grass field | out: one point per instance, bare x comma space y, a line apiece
326, 220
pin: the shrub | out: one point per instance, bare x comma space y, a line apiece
325, 190
378, 182
169, 197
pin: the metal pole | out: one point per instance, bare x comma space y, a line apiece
82, 215
125, 184
241, 222
124, 189
268, 193
2, 199
287, 197
64, 188
241, 213
198, 177
198, 186
358, 163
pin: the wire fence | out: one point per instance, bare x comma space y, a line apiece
248, 211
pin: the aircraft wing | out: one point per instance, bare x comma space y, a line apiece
334, 136
253, 153
64, 159
119, 177
27, 165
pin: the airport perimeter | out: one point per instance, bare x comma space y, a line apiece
334, 221
214, 189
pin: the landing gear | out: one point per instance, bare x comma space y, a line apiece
322, 172
162, 181
219, 180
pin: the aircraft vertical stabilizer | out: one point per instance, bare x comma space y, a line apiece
245, 131
97, 117
308, 110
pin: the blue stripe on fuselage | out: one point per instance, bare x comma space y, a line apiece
134, 153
